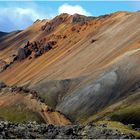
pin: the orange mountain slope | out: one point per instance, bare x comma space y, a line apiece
78, 64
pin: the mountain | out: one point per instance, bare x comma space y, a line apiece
2, 34
85, 68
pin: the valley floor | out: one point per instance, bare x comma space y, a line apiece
24, 114
48, 131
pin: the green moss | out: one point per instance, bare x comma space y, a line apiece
120, 127
128, 115
19, 114
50, 100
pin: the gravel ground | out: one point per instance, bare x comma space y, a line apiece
33, 130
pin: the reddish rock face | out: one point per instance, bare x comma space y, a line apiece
35, 49
100, 57
76, 18
2, 65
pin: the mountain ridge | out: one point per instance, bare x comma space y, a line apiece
79, 66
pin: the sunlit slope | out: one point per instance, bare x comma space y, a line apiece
110, 86
10, 42
93, 67
13, 108
22, 107
77, 55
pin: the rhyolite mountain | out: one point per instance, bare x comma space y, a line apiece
84, 68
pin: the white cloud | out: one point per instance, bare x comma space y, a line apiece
70, 9
21, 16
26, 12
18, 18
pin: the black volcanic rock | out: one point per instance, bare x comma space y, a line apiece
2, 85
23, 53
32, 130
80, 19
34, 49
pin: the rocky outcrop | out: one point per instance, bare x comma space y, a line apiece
30, 50
9, 61
32, 130
76, 18
23, 53
2, 85
3, 65
32, 101
50, 26
35, 49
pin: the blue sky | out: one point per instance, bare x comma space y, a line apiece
19, 15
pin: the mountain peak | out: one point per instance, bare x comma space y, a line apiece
38, 21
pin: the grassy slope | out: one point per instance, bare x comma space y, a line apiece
120, 127
20, 107
126, 111
13, 108
128, 115
19, 113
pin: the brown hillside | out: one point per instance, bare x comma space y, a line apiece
94, 62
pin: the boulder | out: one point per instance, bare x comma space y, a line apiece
47, 47
93, 40
38, 53
23, 53
2, 85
